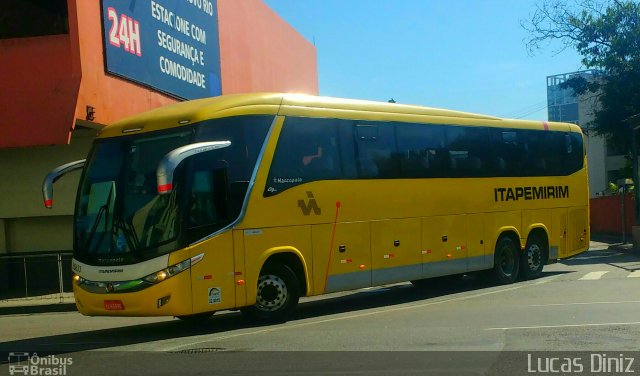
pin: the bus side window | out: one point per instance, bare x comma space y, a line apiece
202, 208
508, 150
421, 150
376, 151
467, 151
311, 149
576, 159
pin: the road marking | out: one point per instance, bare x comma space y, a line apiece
634, 274
582, 303
359, 315
566, 326
592, 276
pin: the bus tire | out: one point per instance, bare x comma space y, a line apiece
506, 262
277, 295
533, 258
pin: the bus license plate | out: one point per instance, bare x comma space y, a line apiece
113, 305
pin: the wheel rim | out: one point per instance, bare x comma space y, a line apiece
272, 293
507, 261
534, 256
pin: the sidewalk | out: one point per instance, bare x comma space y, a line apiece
38, 304
613, 242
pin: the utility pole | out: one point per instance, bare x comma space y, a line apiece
634, 122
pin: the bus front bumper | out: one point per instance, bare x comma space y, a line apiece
171, 297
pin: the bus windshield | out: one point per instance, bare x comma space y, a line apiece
119, 211
121, 218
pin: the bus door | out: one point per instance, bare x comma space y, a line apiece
350, 264
212, 279
395, 250
444, 245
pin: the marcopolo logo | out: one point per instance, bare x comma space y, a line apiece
22, 363
307, 207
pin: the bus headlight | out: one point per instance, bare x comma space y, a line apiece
77, 279
169, 272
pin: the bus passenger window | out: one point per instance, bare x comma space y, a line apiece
309, 150
377, 151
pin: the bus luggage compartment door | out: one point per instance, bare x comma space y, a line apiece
350, 264
395, 250
444, 245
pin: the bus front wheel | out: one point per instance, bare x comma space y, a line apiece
506, 261
277, 295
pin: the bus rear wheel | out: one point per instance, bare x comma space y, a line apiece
533, 258
506, 261
277, 295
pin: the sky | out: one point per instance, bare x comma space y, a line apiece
466, 55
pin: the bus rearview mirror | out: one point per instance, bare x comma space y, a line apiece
171, 160
55, 174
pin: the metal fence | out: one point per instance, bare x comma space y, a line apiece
35, 274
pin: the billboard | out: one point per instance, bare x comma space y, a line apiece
169, 45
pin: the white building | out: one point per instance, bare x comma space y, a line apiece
564, 105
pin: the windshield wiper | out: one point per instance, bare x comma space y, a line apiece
104, 210
128, 231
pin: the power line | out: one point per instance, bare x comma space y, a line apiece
528, 110
525, 110
532, 112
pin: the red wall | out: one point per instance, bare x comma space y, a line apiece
113, 98
606, 214
47, 82
38, 90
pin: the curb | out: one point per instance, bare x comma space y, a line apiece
39, 304
37, 308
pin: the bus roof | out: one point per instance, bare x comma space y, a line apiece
194, 111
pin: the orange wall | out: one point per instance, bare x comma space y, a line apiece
38, 88
113, 98
261, 52
46, 80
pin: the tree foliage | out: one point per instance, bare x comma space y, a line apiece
606, 33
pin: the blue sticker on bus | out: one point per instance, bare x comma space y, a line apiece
171, 46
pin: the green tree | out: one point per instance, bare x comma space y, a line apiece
606, 33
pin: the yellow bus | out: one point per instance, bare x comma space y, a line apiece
251, 201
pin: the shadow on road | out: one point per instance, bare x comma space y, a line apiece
333, 304
614, 256
360, 300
